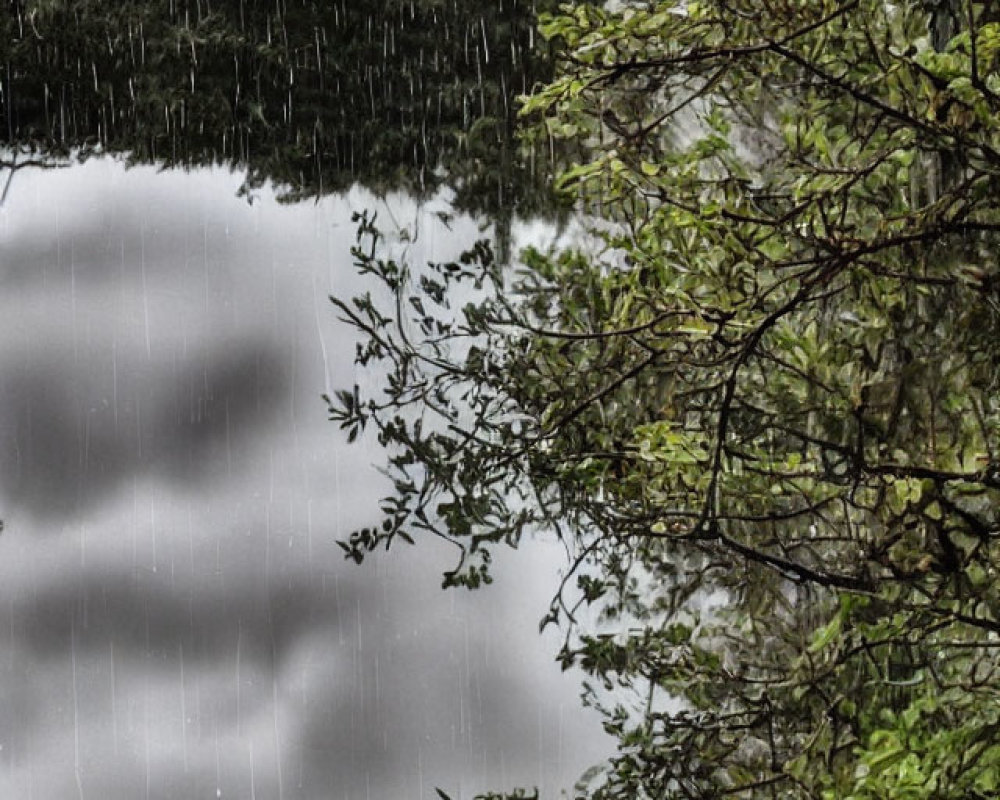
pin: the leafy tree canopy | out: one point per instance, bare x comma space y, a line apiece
762, 411
314, 96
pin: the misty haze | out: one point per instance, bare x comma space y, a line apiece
177, 618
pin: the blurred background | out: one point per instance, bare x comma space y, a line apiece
176, 618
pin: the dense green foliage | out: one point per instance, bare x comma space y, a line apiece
315, 96
762, 411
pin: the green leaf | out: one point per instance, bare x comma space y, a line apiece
825, 635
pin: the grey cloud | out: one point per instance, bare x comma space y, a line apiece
73, 430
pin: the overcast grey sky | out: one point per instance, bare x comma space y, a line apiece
176, 620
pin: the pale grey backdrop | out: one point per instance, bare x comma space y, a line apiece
176, 620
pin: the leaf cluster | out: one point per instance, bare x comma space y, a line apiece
760, 409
